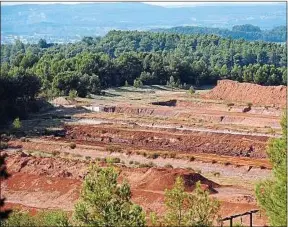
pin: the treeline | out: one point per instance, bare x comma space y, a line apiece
17, 95
247, 32
152, 58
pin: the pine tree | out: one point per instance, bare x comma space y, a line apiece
272, 194
176, 214
184, 209
104, 203
202, 209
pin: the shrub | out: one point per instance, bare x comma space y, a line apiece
216, 174
238, 224
113, 160
43, 218
172, 155
137, 83
191, 90
72, 145
112, 149
117, 160
154, 155
227, 163
271, 130
168, 166
24, 139
249, 104
192, 158
3, 145
17, 123
19, 218
165, 155
52, 218
87, 157
230, 104
73, 94
128, 152
55, 153
131, 162
214, 161
147, 165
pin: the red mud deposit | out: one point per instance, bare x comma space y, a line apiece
245, 92
155, 179
55, 183
194, 142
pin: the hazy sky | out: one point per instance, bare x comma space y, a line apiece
165, 4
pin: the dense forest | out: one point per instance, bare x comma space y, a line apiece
247, 32
123, 57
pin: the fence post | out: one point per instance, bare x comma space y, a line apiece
231, 222
251, 223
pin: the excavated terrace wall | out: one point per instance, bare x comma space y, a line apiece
246, 92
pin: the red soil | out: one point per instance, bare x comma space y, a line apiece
154, 179
36, 183
196, 142
159, 179
246, 92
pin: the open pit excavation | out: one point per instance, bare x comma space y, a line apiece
193, 142
119, 115
41, 183
154, 137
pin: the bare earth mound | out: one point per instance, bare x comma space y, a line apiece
61, 101
245, 92
154, 179
159, 179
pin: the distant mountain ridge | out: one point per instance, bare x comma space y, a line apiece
68, 22
247, 32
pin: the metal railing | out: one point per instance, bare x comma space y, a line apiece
230, 218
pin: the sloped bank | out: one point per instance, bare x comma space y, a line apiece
250, 93
56, 182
